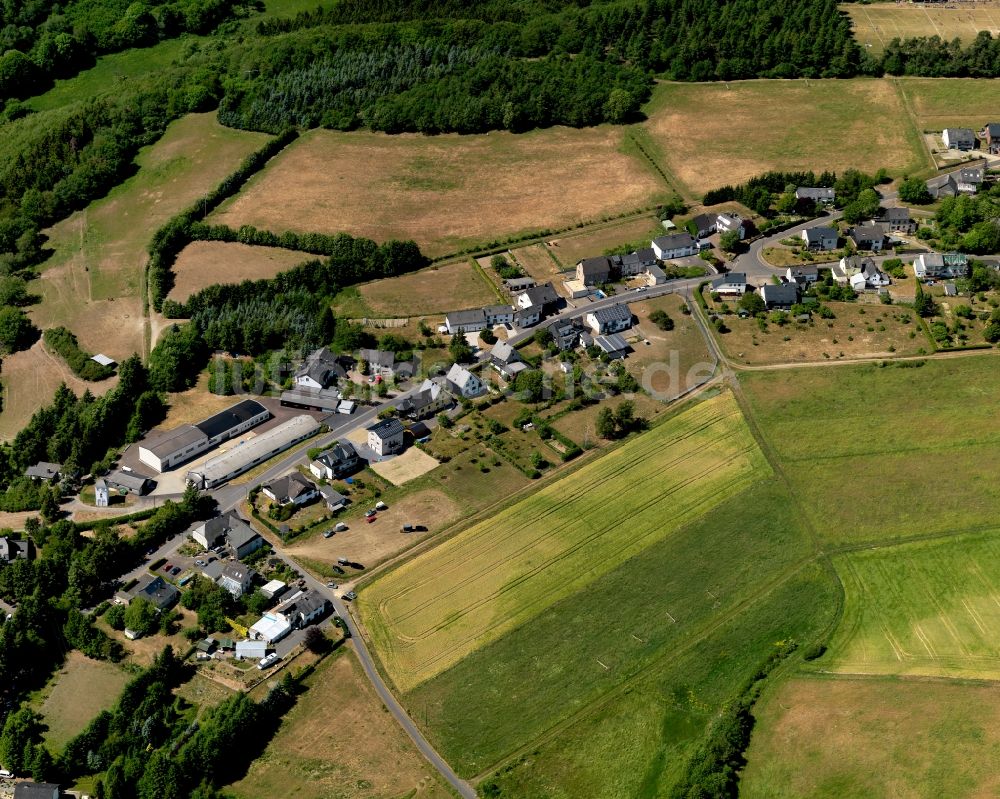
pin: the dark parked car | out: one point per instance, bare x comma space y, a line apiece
175, 571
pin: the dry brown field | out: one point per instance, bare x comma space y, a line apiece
437, 289
877, 24
194, 405
382, 539
877, 738
714, 134
939, 103
534, 260
673, 360
446, 192
338, 741
204, 263
30, 378
410, 465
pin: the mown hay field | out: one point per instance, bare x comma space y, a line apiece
438, 289
940, 103
204, 263
446, 603
645, 615
881, 739
930, 608
877, 24
446, 192
572, 247
711, 134
82, 689
879, 453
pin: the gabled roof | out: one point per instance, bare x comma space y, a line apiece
331, 496
814, 193
611, 343
541, 295
590, 267
674, 241
231, 417
959, 133
894, 215
781, 293
972, 174
731, 279
504, 353
239, 533
131, 480
498, 310
705, 221
383, 358
387, 428
867, 232
992, 129
819, 233
939, 181
44, 470
238, 572
612, 313
341, 452
290, 487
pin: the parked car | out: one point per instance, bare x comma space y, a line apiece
268, 661
340, 527
167, 567
332, 584
175, 571
328, 534
350, 596
199, 562
6, 775
370, 519
406, 528
369, 513
381, 506
342, 561
338, 570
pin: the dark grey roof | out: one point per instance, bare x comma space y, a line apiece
600, 265
387, 428
613, 313
992, 129
971, 174
613, 342
804, 271
12, 548
498, 310
473, 316
322, 398
519, 283
332, 496
819, 233
383, 358
290, 487
939, 181
960, 133
705, 221
36, 790
674, 241
541, 295
780, 293
504, 353
158, 591
341, 452
867, 233
44, 470
732, 279
166, 442
130, 480
237, 571
814, 193
226, 420
895, 215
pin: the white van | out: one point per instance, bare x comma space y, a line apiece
268, 661
6, 775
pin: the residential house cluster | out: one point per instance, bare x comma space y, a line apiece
965, 139
860, 272
531, 303
294, 613
966, 180
601, 327
229, 531
941, 265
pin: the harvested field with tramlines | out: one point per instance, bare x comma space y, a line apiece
446, 192
437, 608
927, 608
438, 289
877, 24
709, 134
204, 263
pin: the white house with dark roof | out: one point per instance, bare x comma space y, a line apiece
820, 238
506, 360
44, 471
386, 437
937, 264
968, 179
779, 295
14, 549
540, 298
292, 489
431, 398
321, 369
802, 275
870, 276
816, 194
869, 236
703, 225
896, 220
731, 283
464, 382
338, 461
958, 138
677, 245
612, 319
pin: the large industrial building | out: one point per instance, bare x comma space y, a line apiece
248, 454
166, 449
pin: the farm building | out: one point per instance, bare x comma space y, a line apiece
292, 489
386, 437
464, 382
12, 549
517, 284
612, 319
101, 496
166, 450
958, 138
338, 461
820, 238
245, 456
321, 399
129, 482
677, 245
733, 283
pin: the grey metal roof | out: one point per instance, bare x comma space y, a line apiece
224, 421
167, 442
131, 480
613, 342
814, 193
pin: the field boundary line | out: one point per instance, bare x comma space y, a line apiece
914, 128
889, 543
646, 671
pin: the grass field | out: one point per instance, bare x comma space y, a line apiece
877, 24
857, 331
717, 133
634, 743
436, 609
438, 289
924, 440
338, 741
880, 739
204, 263
82, 688
926, 608
534, 260
644, 613
938, 103
446, 192
571, 248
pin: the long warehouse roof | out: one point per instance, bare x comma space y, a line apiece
276, 438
